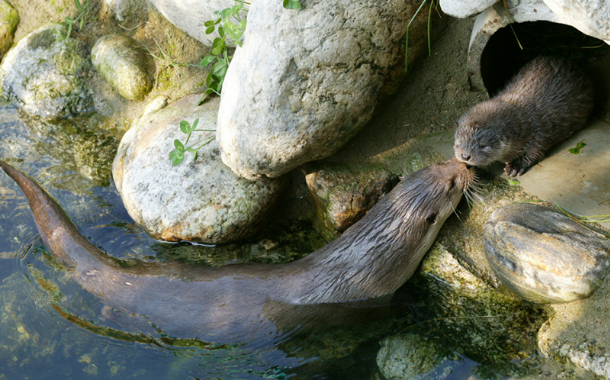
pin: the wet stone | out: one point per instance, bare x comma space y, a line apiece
125, 65
344, 193
45, 74
199, 200
543, 255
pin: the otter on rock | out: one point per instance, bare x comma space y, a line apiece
371, 260
549, 99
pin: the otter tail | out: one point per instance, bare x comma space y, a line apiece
58, 232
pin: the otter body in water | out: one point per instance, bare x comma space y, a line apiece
372, 259
549, 99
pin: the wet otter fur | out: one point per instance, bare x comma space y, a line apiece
371, 260
549, 99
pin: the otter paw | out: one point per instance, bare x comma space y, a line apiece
515, 168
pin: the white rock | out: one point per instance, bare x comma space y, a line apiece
592, 17
190, 15
464, 8
305, 81
198, 201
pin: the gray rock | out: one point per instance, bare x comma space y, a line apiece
190, 15
125, 65
312, 86
198, 200
8, 23
44, 74
344, 193
464, 8
121, 8
543, 255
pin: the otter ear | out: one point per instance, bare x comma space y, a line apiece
431, 217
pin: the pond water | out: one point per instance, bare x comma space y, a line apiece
54, 329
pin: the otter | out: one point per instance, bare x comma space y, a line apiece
370, 261
549, 99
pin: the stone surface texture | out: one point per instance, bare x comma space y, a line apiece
198, 200
464, 8
589, 16
45, 72
8, 23
313, 85
125, 65
344, 193
191, 15
543, 255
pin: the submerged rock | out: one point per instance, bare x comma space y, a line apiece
45, 73
125, 65
344, 193
198, 200
8, 23
543, 255
314, 84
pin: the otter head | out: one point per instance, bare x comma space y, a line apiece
431, 195
480, 138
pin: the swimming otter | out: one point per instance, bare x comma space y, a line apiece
372, 259
549, 99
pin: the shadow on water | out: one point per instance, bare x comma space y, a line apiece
53, 328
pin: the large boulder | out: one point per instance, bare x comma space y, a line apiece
198, 200
45, 74
312, 86
125, 65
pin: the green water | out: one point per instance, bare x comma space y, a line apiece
54, 329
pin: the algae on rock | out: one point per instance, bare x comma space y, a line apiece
8, 23
45, 72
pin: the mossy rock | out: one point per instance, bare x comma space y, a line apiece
8, 23
125, 65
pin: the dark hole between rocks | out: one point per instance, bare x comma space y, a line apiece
502, 58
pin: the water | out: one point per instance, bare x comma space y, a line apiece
52, 328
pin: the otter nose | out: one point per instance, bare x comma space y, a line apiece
465, 157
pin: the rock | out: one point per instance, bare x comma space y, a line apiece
410, 356
589, 16
344, 193
464, 8
125, 65
313, 85
121, 8
198, 200
543, 255
190, 15
577, 332
8, 23
45, 73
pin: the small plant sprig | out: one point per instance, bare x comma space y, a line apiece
83, 9
292, 4
578, 147
230, 24
177, 155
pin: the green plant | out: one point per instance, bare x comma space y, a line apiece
165, 59
230, 24
177, 155
83, 12
578, 147
292, 4
409, 26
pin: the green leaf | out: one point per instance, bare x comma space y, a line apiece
208, 23
513, 182
208, 79
176, 157
226, 12
185, 127
207, 60
229, 25
210, 30
78, 5
578, 147
221, 31
242, 24
236, 8
219, 68
194, 152
178, 145
218, 49
195, 124
292, 4
217, 21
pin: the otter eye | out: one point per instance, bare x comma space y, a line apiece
431, 219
